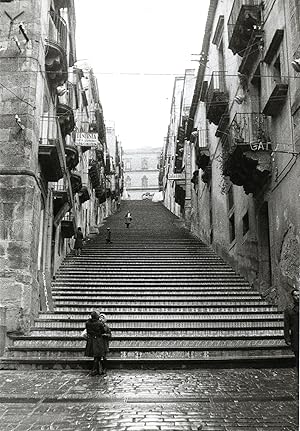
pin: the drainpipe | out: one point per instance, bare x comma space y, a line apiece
46, 295
3, 329
56, 246
188, 185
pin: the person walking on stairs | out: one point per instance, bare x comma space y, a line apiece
107, 338
78, 242
108, 236
128, 219
291, 325
95, 345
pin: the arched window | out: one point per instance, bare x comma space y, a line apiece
128, 182
144, 164
144, 181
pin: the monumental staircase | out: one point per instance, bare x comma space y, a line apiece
169, 299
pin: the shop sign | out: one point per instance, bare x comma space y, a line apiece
256, 146
87, 139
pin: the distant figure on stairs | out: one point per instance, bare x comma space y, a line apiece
78, 242
128, 219
291, 325
108, 236
118, 204
107, 337
96, 344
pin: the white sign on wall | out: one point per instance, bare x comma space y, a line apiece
85, 139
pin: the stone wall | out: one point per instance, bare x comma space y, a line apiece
20, 187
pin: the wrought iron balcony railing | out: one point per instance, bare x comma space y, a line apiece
216, 97
250, 129
58, 32
245, 17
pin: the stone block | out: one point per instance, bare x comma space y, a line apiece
18, 255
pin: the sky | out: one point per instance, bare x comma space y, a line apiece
136, 48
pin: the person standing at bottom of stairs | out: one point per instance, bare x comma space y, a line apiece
106, 337
291, 325
95, 345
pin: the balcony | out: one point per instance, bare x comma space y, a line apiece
244, 19
51, 149
206, 176
66, 119
216, 98
277, 98
56, 62
195, 179
60, 200
248, 161
76, 182
84, 194
202, 158
95, 175
251, 54
100, 193
180, 195
72, 156
222, 126
68, 226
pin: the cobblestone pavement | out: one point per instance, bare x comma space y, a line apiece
150, 400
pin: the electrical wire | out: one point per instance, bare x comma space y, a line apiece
20, 98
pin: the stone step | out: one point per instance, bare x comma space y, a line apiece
195, 316
163, 298
168, 333
130, 342
233, 341
190, 264
157, 360
216, 290
144, 306
176, 326
156, 352
145, 276
173, 351
117, 310
142, 284
148, 294
143, 260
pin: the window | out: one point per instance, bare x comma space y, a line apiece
144, 164
231, 228
127, 165
230, 198
245, 223
277, 69
128, 182
144, 182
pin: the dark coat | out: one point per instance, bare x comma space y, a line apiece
78, 239
291, 327
106, 337
95, 345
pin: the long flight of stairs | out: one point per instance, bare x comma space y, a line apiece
169, 299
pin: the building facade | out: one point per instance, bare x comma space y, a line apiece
176, 157
53, 153
141, 171
243, 135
